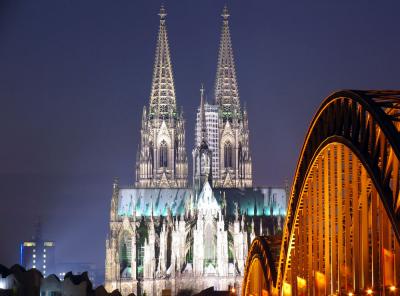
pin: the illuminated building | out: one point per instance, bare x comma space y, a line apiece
226, 127
38, 253
161, 158
176, 239
167, 235
235, 164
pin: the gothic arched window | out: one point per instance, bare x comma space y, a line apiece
228, 155
163, 154
209, 245
125, 252
151, 151
169, 247
240, 156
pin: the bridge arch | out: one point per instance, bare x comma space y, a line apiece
260, 273
342, 229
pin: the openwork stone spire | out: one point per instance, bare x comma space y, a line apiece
226, 87
162, 97
162, 161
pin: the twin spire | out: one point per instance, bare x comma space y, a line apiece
226, 86
162, 97
162, 159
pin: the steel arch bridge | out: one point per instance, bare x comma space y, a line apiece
342, 230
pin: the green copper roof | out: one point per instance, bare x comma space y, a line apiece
250, 201
254, 201
158, 200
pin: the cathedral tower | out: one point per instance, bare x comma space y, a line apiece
162, 160
235, 164
167, 237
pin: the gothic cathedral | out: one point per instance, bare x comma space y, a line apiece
167, 235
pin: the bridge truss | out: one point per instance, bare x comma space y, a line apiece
342, 230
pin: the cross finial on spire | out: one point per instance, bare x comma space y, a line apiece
225, 13
162, 13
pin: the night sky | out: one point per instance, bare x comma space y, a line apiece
74, 76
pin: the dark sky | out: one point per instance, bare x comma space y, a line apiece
74, 76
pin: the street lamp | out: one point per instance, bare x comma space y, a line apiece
369, 292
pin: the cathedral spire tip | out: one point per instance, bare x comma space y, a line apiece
162, 13
225, 13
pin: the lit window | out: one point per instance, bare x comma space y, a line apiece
44, 255
34, 261
44, 261
34, 256
34, 250
44, 266
34, 266
44, 250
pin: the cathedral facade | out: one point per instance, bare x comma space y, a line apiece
226, 124
167, 235
162, 159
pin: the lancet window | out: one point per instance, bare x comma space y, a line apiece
163, 154
228, 155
